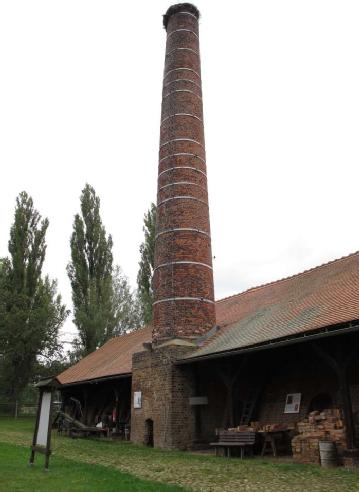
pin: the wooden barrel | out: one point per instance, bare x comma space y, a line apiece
328, 453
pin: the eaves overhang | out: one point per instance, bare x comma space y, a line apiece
326, 332
97, 380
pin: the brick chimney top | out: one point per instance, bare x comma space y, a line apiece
180, 7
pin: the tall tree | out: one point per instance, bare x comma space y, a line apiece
90, 273
31, 311
146, 265
125, 302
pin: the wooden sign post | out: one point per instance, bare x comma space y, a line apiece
41, 442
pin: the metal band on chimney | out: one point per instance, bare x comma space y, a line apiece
187, 13
181, 68
179, 30
182, 139
181, 114
170, 299
178, 183
182, 80
182, 197
182, 229
180, 154
182, 48
182, 167
170, 263
182, 90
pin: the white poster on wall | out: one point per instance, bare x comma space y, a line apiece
292, 403
42, 432
137, 399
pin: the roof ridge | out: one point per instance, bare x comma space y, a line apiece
284, 279
115, 338
131, 332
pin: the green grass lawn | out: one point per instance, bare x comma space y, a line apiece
66, 475
88, 464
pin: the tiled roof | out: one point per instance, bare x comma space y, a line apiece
113, 358
323, 296
320, 297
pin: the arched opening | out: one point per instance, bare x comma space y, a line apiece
320, 402
148, 438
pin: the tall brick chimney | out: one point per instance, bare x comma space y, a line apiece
183, 277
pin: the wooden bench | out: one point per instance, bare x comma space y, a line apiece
230, 439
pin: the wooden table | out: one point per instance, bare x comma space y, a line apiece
271, 439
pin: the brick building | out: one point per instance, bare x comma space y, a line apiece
270, 354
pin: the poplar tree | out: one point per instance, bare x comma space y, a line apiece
31, 311
90, 274
146, 265
125, 302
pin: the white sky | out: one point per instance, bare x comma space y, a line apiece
80, 94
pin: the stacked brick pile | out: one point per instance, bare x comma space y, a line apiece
325, 425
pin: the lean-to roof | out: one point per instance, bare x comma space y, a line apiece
113, 358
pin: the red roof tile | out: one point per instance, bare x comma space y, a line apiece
320, 297
113, 358
323, 296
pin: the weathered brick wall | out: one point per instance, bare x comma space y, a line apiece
274, 397
183, 276
310, 379
166, 389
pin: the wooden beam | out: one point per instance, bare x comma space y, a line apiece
39, 403
197, 408
85, 412
229, 378
339, 363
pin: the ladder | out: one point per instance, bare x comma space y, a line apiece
249, 404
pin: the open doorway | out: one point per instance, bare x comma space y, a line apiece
148, 439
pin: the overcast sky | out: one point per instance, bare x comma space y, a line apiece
80, 95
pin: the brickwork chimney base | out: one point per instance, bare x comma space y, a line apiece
165, 391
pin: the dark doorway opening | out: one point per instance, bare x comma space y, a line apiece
321, 402
148, 440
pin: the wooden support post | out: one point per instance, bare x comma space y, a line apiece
41, 442
347, 407
85, 396
117, 409
197, 408
339, 363
229, 377
32, 454
48, 443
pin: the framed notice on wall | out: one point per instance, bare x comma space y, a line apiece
137, 399
292, 403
